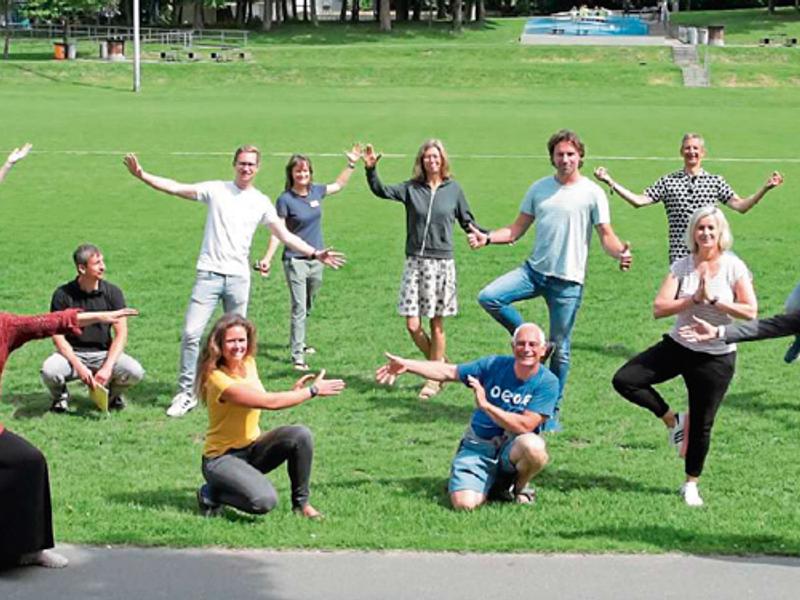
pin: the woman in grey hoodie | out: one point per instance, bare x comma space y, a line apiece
433, 202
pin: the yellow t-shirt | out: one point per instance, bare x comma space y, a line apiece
230, 425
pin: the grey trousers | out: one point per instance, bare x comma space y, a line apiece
304, 278
237, 477
56, 371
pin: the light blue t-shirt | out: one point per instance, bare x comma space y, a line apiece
564, 217
505, 390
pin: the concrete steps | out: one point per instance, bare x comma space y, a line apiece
688, 59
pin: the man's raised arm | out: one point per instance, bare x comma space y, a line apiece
162, 184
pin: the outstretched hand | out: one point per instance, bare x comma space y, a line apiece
354, 153
388, 373
601, 174
699, 331
774, 180
328, 387
332, 259
476, 238
370, 157
17, 154
132, 162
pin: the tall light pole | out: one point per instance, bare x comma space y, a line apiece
137, 62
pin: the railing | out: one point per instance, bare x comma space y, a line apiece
148, 35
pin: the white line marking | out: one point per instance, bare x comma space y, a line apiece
595, 158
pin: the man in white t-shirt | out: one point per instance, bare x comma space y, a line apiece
235, 209
566, 206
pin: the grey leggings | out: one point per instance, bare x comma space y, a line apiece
237, 477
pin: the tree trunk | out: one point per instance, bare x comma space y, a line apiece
343, 11
482, 11
197, 18
314, 20
458, 17
305, 11
441, 9
401, 10
7, 43
417, 10
266, 23
386, 16
294, 10
355, 11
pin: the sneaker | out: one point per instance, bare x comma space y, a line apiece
207, 506
182, 403
60, 404
300, 365
310, 350
793, 352
678, 435
44, 558
690, 493
117, 403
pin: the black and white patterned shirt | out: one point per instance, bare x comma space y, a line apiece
682, 194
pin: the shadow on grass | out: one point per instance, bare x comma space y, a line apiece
685, 540
37, 404
69, 81
619, 350
757, 402
567, 481
43, 56
180, 499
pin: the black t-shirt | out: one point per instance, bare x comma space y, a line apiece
106, 297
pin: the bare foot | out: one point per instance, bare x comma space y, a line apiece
309, 512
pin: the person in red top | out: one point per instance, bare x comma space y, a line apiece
25, 509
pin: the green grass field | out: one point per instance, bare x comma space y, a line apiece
382, 456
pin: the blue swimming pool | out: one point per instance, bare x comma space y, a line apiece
611, 25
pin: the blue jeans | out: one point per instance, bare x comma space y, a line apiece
563, 300
209, 289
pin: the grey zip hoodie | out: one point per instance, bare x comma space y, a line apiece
429, 215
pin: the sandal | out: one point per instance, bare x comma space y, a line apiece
430, 389
526, 495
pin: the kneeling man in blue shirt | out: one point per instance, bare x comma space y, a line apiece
514, 395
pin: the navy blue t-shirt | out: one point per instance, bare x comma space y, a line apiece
303, 215
505, 390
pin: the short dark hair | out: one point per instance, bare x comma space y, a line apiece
83, 253
565, 135
247, 148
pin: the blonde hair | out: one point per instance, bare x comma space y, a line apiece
724, 235
418, 173
211, 356
693, 136
247, 148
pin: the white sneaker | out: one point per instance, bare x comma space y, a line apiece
690, 493
44, 558
182, 403
678, 435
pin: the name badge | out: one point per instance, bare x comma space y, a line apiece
314, 204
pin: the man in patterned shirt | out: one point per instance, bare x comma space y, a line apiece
684, 191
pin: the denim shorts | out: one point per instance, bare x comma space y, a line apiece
478, 461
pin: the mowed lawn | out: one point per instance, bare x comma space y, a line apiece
382, 456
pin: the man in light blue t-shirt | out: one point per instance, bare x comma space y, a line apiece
514, 396
566, 207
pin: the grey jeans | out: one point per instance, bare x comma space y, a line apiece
237, 477
304, 278
56, 371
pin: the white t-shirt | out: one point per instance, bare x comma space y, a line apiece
564, 217
731, 270
233, 215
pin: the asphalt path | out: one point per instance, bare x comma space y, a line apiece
122, 573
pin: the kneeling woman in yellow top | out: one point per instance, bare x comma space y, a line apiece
236, 454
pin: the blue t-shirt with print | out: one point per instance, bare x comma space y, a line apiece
303, 216
505, 390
